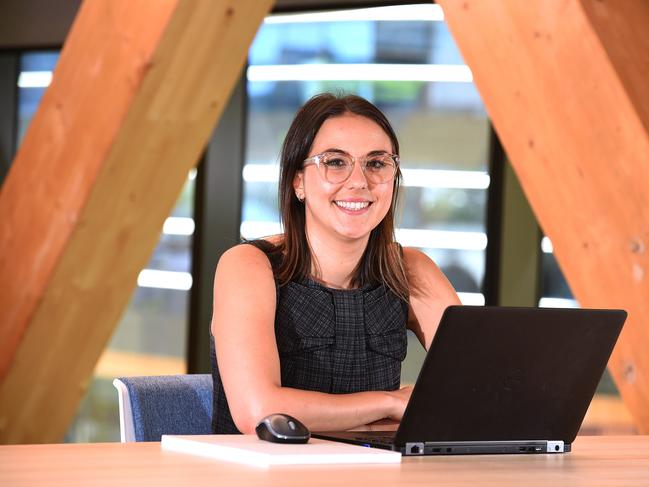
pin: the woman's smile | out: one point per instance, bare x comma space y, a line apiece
353, 207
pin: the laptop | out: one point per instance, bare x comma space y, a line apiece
502, 380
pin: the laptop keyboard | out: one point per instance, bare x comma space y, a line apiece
380, 438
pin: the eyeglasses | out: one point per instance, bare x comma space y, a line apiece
336, 167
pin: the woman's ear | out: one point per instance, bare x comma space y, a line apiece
298, 185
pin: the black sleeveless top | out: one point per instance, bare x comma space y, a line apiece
329, 340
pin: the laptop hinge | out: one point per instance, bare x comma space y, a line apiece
414, 449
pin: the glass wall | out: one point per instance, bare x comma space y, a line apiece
404, 60
151, 336
555, 292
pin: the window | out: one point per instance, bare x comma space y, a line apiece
555, 292
404, 60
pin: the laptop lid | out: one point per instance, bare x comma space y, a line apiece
495, 374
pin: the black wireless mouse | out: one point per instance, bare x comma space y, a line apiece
282, 428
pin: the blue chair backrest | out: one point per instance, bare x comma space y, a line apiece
170, 405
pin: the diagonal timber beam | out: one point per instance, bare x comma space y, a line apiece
137, 91
565, 84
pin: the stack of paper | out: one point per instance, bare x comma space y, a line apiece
251, 450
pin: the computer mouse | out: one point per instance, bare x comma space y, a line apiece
282, 428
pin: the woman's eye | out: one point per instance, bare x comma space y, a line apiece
376, 164
335, 162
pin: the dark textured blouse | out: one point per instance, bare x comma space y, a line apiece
329, 340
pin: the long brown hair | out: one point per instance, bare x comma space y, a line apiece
382, 261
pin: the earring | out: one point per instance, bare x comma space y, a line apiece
300, 197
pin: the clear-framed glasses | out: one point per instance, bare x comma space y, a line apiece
336, 167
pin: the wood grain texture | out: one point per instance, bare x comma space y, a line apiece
137, 91
565, 84
601, 461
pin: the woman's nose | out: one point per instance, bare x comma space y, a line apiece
357, 178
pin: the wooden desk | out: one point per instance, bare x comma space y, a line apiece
594, 461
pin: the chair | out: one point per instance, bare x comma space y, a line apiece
151, 406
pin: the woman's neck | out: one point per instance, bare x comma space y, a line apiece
334, 259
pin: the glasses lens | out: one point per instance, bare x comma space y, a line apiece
379, 168
337, 167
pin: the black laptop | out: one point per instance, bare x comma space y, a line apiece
502, 380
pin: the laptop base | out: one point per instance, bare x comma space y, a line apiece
382, 439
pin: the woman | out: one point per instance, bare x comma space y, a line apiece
313, 322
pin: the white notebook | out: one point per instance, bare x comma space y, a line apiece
251, 450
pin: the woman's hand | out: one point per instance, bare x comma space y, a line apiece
401, 398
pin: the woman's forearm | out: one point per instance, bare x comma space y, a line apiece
317, 410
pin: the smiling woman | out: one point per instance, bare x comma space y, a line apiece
343, 210
312, 322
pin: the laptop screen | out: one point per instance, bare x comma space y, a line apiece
499, 374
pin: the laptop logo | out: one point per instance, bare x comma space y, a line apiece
514, 380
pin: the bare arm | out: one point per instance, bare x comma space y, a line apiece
248, 360
431, 294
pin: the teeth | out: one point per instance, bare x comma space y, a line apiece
355, 205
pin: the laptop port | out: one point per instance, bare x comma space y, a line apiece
414, 449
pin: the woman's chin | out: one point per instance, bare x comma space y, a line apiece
353, 234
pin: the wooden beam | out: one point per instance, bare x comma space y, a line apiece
565, 84
137, 91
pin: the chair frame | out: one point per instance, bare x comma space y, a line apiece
126, 426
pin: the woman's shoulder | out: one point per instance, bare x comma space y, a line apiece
413, 256
251, 257
243, 274
423, 273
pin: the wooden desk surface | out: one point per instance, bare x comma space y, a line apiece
594, 461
